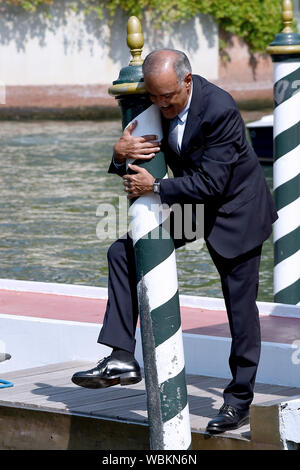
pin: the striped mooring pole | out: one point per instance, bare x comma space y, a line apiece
156, 274
285, 52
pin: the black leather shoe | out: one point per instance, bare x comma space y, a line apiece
108, 372
228, 418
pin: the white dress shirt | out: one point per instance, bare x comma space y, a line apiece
182, 117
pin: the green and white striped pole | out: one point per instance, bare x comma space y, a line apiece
285, 52
157, 286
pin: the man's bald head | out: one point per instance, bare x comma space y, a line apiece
162, 60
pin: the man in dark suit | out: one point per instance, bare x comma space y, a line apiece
213, 165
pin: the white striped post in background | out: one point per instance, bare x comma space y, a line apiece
285, 52
156, 273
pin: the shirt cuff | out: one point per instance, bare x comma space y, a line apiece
118, 165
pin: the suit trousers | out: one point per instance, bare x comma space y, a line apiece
239, 280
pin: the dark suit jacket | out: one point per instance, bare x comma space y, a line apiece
219, 169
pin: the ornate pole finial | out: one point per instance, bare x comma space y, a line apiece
287, 42
287, 16
135, 40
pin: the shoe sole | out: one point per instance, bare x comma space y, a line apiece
94, 382
217, 430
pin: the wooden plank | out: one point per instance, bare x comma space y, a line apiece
122, 402
204, 409
48, 368
261, 390
72, 399
83, 401
200, 424
133, 415
206, 381
64, 399
56, 389
50, 388
55, 378
276, 389
42, 381
274, 395
60, 378
69, 397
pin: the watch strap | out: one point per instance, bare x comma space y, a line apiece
156, 185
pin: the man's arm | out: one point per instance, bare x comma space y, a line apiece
129, 147
224, 141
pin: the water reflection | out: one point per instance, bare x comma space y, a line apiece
53, 178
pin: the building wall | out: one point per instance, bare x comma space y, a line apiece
74, 49
296, 4
248, 76
70, 59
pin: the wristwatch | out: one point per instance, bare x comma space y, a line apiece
156, 186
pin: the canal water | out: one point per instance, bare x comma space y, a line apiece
54, 189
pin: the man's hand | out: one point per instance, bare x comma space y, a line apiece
143, 148
138, 184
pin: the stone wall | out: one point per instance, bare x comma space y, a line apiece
247, 76
68, 60
75, 49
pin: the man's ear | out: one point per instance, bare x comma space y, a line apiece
188, 80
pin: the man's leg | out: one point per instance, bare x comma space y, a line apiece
119, 325
240, 278
120, 319
122, 308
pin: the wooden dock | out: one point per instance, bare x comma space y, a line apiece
45, 410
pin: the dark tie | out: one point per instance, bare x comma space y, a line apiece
173, 136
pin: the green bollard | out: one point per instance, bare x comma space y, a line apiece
285, 52
157, 286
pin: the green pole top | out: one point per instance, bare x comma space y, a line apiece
131, 79
287, 42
